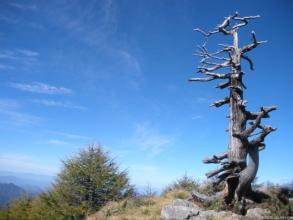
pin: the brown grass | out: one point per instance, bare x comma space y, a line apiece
144, 208
149, 207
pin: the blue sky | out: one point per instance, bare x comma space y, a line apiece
115, 72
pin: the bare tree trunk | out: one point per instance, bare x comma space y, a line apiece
237, 121
235, 171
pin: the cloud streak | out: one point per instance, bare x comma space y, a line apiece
150, 140
5, 67
53, 103
18, 59
24, 56
23, 7
91, 21
24, 163
133, 68
71, 136
57, 142
196, 117
37, 87
10, 110
28, 53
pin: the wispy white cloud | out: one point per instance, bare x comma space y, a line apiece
150, 140
129, 67
20, 118
19, 55
24, 58
202, 99
8, 54
94, 23
43, 88
71, 136
24, 163
8, 19
8, 104
91, 21
57, 142
17, 19
24, 7
6, 67
131, 61
53, 103
10, 109
196, 117
28, 53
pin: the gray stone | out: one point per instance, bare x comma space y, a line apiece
180, 210
257, 213
212, 214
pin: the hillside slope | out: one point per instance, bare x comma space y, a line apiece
8, 192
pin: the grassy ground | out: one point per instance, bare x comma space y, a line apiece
149, 207
141, 208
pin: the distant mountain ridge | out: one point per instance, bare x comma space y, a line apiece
13, 185
28, 181
9, 192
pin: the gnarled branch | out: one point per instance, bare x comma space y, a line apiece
248, 60
251, 46
221, 102
263, 113
213, 68
244, 21
258, 141
224, 85
206, 79
226, 165
211, 77
216, 158
203, 52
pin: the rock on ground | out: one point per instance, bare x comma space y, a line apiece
179, 209
258, 213
184, 210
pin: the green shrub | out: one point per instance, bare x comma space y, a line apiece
86, 183
19, 209
185, 183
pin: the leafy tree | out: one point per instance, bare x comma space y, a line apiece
86, 183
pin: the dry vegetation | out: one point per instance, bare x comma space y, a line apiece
148, 207
139, 208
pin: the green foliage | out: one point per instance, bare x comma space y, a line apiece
19, 209
86, 183
185, 183
4, 214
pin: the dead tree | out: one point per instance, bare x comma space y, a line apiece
246, 133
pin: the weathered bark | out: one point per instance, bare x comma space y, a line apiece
235, 171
